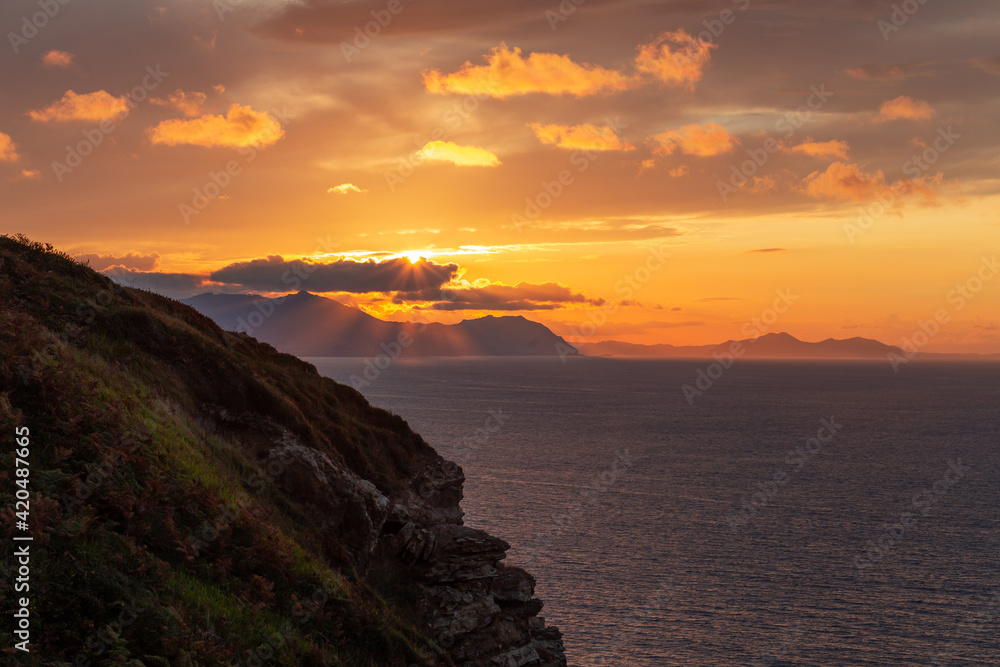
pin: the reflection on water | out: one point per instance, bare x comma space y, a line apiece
722, 533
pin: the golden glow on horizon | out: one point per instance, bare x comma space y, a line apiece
862, 180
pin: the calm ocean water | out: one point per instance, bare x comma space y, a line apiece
796, 514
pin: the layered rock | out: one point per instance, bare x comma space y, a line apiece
479, 610
347, 507
483, 612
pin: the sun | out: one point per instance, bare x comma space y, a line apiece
415, 256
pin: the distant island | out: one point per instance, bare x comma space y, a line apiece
308, 325
769, 346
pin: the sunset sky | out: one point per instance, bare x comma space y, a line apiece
665, 166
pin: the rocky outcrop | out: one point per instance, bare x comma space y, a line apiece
348, 508
483, 612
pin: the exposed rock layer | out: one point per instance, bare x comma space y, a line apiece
481, 611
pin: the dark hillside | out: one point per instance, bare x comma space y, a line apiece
198, 498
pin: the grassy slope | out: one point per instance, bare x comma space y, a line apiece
157, 537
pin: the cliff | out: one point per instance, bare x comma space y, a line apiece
198, 498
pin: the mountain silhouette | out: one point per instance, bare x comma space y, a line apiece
308, 325
769, 346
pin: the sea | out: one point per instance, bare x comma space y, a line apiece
766, 514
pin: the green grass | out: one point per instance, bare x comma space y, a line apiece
120, 389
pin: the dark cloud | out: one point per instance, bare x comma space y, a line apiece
174, 285
523, 296
326, 21
766, 250
129, 260
275, 274
335, 21
422, 283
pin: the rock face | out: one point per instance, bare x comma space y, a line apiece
483, 612
342, 503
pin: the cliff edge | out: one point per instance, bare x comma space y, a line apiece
198, 498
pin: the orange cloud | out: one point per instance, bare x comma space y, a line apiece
581, 137
57, 59
507, 73
463, 156
345, 188
30, 173
906, 108
187, 103
97, 106
811, 148
847, 182
675, 58
240, 127
680, 171
702, 140
8, 150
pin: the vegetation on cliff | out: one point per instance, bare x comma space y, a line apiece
162, 535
